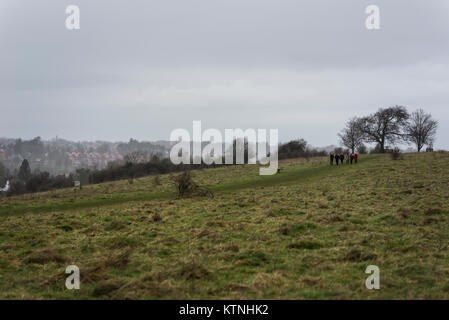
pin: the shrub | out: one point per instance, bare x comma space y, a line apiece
185, 185
396, 154
298, 149
362, 149
16, 187
157, 181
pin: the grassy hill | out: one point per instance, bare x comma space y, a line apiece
307, 233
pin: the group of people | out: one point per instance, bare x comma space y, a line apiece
348, 157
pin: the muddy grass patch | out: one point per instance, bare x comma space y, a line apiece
237, 287
155, 217
93, 274
45, 256
148, 286
106, 288
120, 242
231, 248
216, 224
192, 271
267, 280
280, 212
433, 211
118, 260
428, 221
169, 241
305, 244
311, 281
200, 233
356, 255
252, 258
115, 225
296, 229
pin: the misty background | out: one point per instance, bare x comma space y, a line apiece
143, 68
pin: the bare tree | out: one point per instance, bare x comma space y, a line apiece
420, 129
386, 125
362, 149
351, 136
135, 157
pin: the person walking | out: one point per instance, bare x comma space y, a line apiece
347, 157
331, 157
337, 158
356, 157
342, 157
352, 157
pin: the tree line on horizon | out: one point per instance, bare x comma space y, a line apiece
25, 180
389, 126
386, 126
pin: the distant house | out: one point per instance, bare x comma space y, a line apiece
3, 156
5, 188
92, 159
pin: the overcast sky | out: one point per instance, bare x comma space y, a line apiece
143, 68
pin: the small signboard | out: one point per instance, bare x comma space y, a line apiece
77, 183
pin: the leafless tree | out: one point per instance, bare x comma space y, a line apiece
420, 129
135, 157
351, 136
386, 125
362, 149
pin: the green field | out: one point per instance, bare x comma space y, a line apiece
306, 233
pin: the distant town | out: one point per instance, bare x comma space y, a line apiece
59, 156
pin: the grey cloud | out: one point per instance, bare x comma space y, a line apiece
142, 68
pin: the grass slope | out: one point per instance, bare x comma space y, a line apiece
306, 233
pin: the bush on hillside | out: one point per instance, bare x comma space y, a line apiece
396, 154
185, 185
